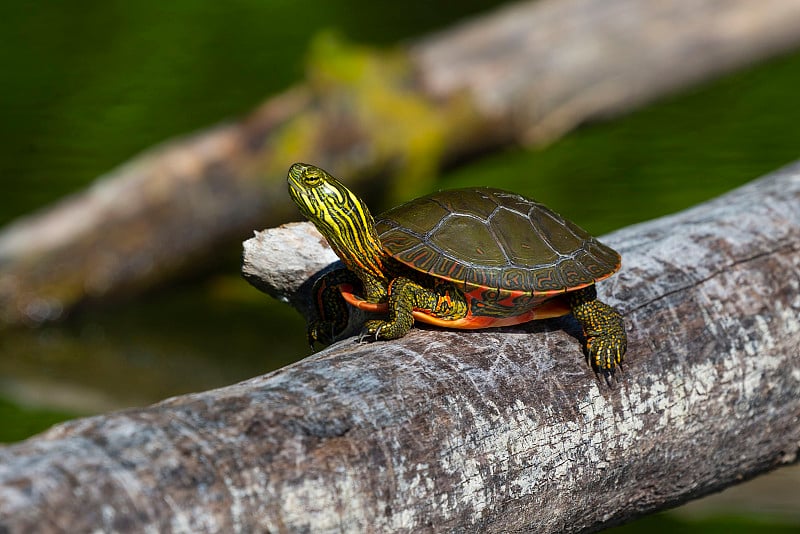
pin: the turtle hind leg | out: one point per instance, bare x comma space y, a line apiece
603, 327
332, 314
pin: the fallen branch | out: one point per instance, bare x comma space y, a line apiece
503, 430
527, 73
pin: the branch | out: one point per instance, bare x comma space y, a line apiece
526, 73
503, 430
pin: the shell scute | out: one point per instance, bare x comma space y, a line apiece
464, 237
489, 238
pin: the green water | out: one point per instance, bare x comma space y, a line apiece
87, 88
88, 85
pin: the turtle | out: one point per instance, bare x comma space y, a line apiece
468, 258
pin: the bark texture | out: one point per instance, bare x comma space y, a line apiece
504, 430
527, 73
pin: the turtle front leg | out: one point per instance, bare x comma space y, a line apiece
405, 296
606, 341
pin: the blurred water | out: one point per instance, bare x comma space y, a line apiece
87, 86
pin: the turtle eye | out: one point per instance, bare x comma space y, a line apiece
312, 178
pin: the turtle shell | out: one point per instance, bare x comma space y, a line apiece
490, 238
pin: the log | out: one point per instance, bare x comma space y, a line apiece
503, 430
525, 74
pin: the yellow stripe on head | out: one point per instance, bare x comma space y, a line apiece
339, 215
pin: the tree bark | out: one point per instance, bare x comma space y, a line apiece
503, 430
524, 74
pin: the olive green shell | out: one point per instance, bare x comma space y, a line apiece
495, 239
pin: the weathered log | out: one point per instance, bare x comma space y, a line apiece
527, 73
504, 430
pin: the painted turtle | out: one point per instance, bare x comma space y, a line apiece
465, 258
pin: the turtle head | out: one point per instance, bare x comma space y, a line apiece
339, 215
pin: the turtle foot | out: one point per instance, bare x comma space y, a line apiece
606, 341
385, 329
323, 332
606, 349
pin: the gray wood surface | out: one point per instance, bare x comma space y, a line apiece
504, 430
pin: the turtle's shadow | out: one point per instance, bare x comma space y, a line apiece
566, 323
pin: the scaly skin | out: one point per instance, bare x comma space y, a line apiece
606, 341
332, 312
405, 295
348, 226
402, 294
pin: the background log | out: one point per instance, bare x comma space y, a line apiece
527, 73
503, 430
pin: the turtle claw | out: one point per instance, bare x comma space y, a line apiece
321, 332
606, 351
603, 328
372, 328
363, 335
